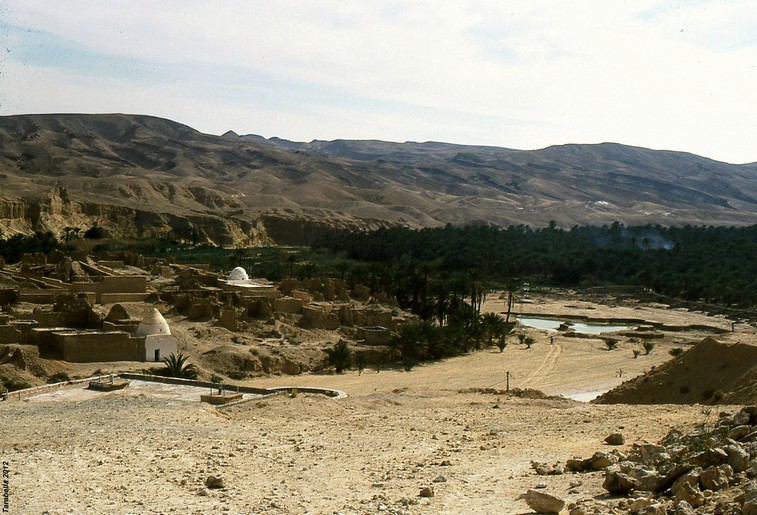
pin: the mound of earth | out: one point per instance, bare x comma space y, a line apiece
710, 372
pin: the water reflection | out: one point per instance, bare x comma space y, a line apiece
547, 324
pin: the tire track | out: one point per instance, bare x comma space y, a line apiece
546, 366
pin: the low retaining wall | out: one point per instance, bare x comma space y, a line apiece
37, 390
335, 394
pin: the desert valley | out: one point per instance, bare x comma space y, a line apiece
553, 369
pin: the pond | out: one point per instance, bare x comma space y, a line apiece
547, 324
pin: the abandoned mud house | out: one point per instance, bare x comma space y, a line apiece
151, 341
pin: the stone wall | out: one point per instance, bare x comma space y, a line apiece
94, 346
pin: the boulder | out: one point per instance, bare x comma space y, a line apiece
652, 454
602, 460
738, 458
619, 483
691, 494
684, 508
214, 482
709, 458
427, 491
749, 504
716, 478
615, 439
542, 502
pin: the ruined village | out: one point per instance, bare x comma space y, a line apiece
85, 338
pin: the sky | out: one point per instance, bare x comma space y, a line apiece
525, 74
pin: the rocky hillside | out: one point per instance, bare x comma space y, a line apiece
708, 373
141, 176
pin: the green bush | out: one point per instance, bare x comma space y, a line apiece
340, 356
178, 366
58, 377
648, 346
675, 351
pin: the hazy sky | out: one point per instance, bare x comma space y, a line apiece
677, 75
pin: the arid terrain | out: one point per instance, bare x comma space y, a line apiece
448, 425
141, 176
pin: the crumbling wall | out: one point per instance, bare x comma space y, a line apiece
88, 347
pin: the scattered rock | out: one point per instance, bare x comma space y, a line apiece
214, 482
615, 439
542, 502
618, 483
684, 508
427, 491
716, 478
440, 479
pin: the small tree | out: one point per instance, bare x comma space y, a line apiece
361, 361
522, 337
502, 343
340, 356
648, 346
178, 366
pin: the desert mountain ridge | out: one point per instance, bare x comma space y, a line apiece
138, 175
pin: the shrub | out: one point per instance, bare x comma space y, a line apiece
340, 356
529, 340
58, 377
361, 361
14, 385
178, 366
636, 353
675, 351
215, 378
502, 343
237, 375
648, 346
611, 343
95, 233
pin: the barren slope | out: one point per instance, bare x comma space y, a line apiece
140, 175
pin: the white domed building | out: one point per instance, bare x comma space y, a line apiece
238, 274
158, 340
240, 282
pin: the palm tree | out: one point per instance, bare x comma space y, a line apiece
340, 356
511, 288
177, 366
494, 326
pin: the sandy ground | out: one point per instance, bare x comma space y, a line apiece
149, 450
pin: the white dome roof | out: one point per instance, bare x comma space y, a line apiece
154, 323
238, 274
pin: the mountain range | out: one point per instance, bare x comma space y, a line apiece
142, 176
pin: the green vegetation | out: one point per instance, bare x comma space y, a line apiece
675, 351
58, 377
714, 264
648, 346
611, 343
178, 366
11, 249
340, 356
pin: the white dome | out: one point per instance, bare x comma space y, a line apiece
238, 274
154, 323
